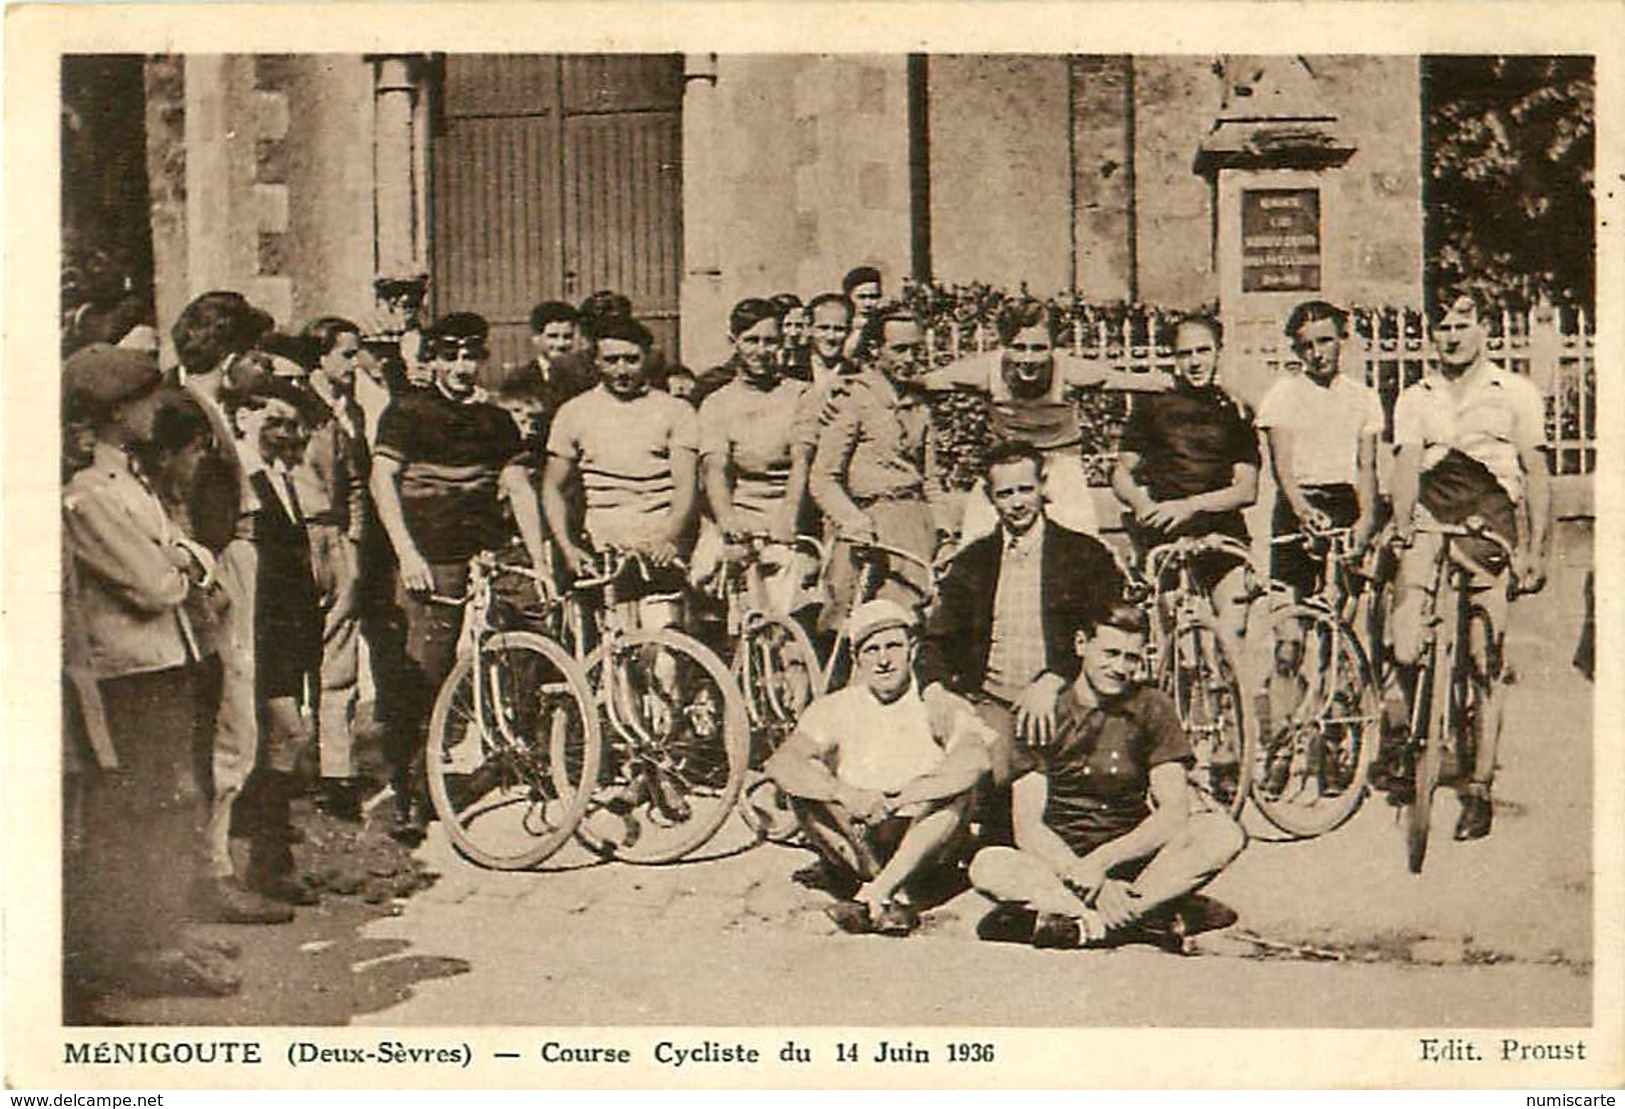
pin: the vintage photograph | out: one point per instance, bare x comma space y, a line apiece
773, 539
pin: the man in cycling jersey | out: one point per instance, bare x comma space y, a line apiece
634, 450
1030, 387
1188, 465
444, 461
1471, 447
1322, 427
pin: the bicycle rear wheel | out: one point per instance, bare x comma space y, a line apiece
1317, 720
678, 741
1198, 670
511, 767
777, 670
1430, 756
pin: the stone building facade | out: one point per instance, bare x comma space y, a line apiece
689, 181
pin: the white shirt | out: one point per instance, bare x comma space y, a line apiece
1328, 423
876, 746
1488, 414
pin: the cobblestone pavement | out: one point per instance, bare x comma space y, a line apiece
1333, 931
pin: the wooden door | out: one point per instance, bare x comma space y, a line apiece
553, 177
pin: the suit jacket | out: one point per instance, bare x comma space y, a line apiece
288, 620
1078, 578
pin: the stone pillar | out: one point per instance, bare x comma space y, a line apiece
1274, 157
700, 300
400, 165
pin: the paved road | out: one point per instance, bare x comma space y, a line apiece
1334, 932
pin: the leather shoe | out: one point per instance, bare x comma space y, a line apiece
1008, 923
1057, 931
850, 916
1477, 813
228, 901
896, 919
340, 798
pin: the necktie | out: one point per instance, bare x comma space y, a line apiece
293, 498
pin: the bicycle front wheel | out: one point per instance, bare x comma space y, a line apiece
678, 741
1430, 757
777, 670
1316, 721
1198, 670
513, 751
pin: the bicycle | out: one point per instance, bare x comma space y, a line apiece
513, 745
776, 668
1449, 693
1193, 661
676, 731
1320, 709
875, 560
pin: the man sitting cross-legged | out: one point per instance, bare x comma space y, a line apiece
1105, 835
882, 784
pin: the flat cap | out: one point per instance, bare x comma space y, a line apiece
876, 616
106, 374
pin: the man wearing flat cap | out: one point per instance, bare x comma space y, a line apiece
881, 784
142, 808
444, 460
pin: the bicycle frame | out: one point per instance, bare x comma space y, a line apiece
744, 590
476, 603
870, 578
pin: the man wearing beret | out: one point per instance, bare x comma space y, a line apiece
142, 808
882, 785
444, 459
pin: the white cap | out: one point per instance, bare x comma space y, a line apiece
875, 616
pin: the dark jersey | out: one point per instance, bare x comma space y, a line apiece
1099, 767
452, 454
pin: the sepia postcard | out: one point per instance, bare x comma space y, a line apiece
846, 545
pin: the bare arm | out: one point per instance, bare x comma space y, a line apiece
386, 498
963, 766
1028, 796
527, 511
1407, 484
970, 372
1088, 373
798, 768
718, 490
1281, 447
1365, 487
556, 478
1133, 495
685, 493
1536, 522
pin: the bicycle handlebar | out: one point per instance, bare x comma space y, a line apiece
620, 561
486, 565
1188, 546
871, 551
755, 543
1473, 529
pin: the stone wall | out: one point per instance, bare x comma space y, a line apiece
807, 177
261, 171
998, 152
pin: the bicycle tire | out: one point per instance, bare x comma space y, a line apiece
1212, 710
664, 799
1429, 762
774, 705
1332, 748
543, 795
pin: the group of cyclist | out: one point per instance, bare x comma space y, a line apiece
820, 424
